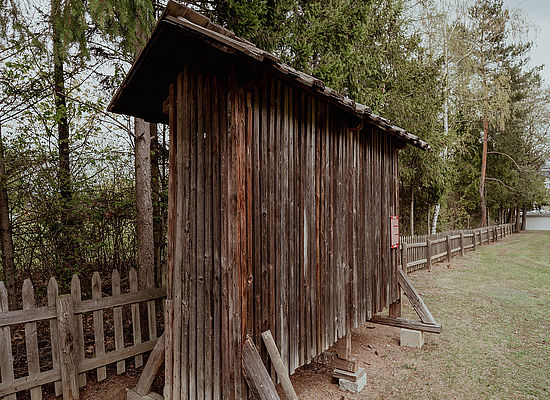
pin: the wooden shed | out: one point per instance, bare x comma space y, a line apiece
280, 197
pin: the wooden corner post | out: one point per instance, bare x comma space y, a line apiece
68, 351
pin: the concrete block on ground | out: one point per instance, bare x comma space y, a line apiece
356, 383
410, 338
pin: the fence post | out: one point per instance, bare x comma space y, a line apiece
66, 323
449, 251
462, 243
404, 260
474, 239
429, 253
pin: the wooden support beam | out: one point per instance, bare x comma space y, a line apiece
395, 308
406, 323
347, 365
152, 368
279, 365
414, 298
343, 347
132, 395
257, 377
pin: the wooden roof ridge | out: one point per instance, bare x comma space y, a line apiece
196, 24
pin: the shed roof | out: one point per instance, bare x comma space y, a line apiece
145, 87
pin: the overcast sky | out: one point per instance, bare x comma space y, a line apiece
538, 13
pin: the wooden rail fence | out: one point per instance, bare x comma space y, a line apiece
63, 315
420, 251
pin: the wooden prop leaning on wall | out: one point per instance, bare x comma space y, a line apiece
142, 391
279, 365
427, 323
256, 374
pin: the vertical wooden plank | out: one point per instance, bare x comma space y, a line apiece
462, 244
349, 186
306, 226
316, 227
136, 320
53, 292
277, 185
185, 217
241, 273
257, 199
76, 294
405, 256
321, 235
169, 380
329, 225
248, 272
216, 204
151, 310
263, 138
312, 234
429, 253
342, 232
117, 319
177, 186
6, 356
208, 244
235, 212
200, 229
283, 230
69, 352
225, 164
271, 205
98, 326
293, 337
192, 284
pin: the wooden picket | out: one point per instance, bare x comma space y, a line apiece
64, 317
420, 251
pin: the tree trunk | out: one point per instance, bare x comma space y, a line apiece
524, 218
435, 218
412, 212
518, 220
156, 187
144, 204
66, 242
6, 240
428, 222
483, 221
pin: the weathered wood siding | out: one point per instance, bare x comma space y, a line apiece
279, 219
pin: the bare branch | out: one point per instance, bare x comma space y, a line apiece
502, 183
506, 155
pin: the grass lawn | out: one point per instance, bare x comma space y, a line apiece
494, 306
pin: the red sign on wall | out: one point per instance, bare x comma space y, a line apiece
394, 231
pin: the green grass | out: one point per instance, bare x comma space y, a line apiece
494, 306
